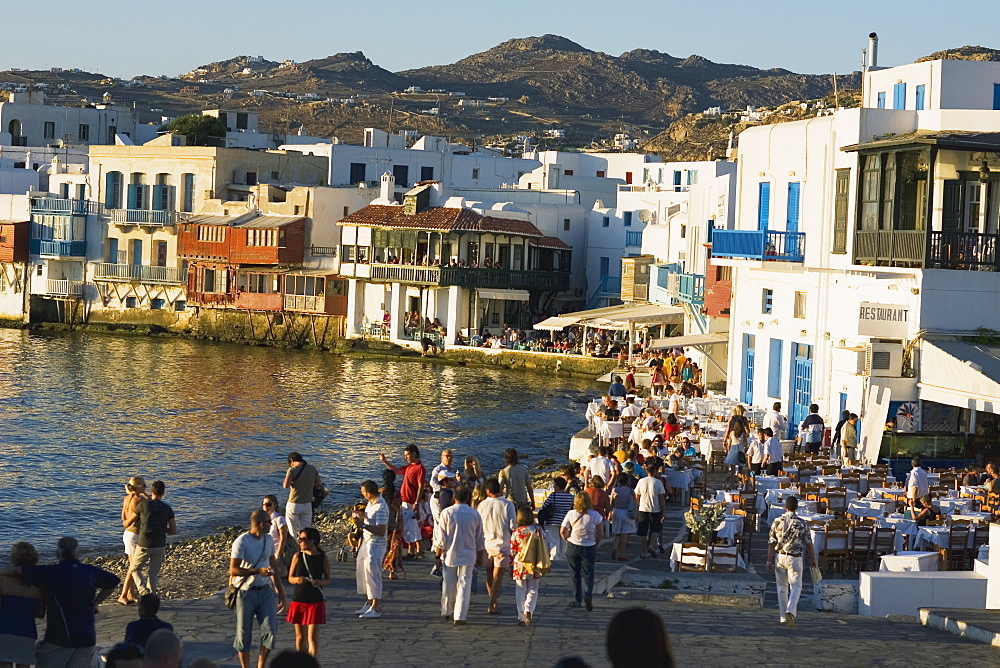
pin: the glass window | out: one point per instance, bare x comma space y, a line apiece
767, 301
800, 305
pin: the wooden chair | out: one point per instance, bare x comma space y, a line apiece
836, 503
875, 481
862, 550
744, 539
723, 559
839, 524
831, 470
836, 556
981, 536
718, 458
884, 542
784, 485
954, 554
695, 504
851, 481
948, 480
694, 558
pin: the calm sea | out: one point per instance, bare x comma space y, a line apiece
80, 414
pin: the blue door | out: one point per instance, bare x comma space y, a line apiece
794, 196
749, 341
763, 205
802, 369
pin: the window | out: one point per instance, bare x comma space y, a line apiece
605, 266
112, 131
112, 255
241, 121
358, 174
565, 224
763, 205
881, 100
275, 176
64, 190
265, 284
347, 253
262, 237
157, 304
131, 302
113, 183
180, 305
401, 173
211, 233
84, 132
723, 273
627, 217
774, 369
475, 173
81, 191
251, 178
50, 130
677, 178
840, 211
800, 304
600, 174
921, 92
692, 177
899, 96
347, 210
996, 96
766, 300
426, 173
684, 231
187, 192
628, 177
606, 221
568, 172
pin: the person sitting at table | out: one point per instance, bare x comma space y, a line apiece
617, 388
773, 453
755, 452
610, 412
631, 410
689, 449
972, 478
928, 511
992, 482
676, 459
671, 428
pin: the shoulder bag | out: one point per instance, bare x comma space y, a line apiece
633, 507
233, 590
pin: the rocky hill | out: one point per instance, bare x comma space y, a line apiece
963, 53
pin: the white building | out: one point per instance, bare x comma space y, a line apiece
25, 120
864, 245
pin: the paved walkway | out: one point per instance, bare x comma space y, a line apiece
412, 633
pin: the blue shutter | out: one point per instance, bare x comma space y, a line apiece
774, 369
112, 190
764, 206
899, 96
137, 251
881, 100
161, 197
921, 90
996, 96
677, 178
792, 223
627, 217
112, 250
134, 196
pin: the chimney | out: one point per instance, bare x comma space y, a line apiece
388, 190
872, 50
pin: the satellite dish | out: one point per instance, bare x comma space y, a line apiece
644, 215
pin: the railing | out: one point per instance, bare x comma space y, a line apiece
611, 286
141, 216
968, 251
64, 205
57, 248
403, 273
759, 245
60, 288
210, 298
633, 238
305, 302
137, 272
691, 288
19, 141
506, 278
323, 250
889, 248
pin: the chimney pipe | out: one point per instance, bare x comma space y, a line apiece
872, 50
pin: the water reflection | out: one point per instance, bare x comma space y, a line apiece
82, 414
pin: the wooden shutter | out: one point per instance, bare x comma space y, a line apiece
763, 205
794, 195
840, 210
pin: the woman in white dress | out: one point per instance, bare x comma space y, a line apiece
736, 436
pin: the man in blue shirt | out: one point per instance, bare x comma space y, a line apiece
617, 389
73, 590
138, 632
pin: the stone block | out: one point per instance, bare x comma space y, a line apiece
836, 596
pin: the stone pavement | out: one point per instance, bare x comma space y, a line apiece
412, 634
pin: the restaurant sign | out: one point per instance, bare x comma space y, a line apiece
890, 320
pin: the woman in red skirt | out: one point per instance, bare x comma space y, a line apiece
309, 572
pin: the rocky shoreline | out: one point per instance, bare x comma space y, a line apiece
197, 567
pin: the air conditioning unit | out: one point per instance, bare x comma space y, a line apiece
579, 292
884, 359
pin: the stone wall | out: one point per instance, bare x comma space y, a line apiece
522, 359
282, 329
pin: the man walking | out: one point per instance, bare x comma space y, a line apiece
253, 568
788, 539
368, 571
73, 591
459, 544
775, 420
499, 521
414, 483
812, 429
436, 478
156, 520
916, 484
515, 480
773, 452
652, 500
301, 478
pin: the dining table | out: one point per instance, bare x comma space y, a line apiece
904, 527
907, 562
675, 557
929, 538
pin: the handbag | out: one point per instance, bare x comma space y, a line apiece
741, 457
633, 508
319, 493
545, 513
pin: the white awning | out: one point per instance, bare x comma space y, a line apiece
693, 340
619, 317
509, 295
959, 374
554, 323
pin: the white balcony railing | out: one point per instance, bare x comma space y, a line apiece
59, 288
142, 273
141, 217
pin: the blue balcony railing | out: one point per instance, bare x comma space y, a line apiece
633, 238
759, 245
63, 205
57, 248
691, 288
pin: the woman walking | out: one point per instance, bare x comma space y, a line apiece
309, 572
19, 605
736, 436
581, 529
623, 515
526, 583
135, 491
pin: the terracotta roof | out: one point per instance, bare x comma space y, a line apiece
438, 218
551, 242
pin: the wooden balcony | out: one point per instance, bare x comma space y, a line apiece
146, 217
57, 288
890, 248
968, 251
464, 276
769, 245
691, 288
57, 248
137, 273
329, 304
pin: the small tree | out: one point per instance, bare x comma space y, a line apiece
198, 129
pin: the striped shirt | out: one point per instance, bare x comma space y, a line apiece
562, 503
376, 512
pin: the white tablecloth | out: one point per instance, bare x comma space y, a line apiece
607, 429
904, 562
675, 557
679, 479
776, 510
973, 516
707, 445
730, 526
951, 506
904, 527
930, 537
870, 507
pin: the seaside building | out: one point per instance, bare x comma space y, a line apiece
26, 120
863, 257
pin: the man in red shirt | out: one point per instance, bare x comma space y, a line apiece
414, 481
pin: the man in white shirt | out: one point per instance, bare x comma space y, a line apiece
673, 401
499, 521
253, 568
773, 454
916, 484
443, 467
652, 498
459, 543
601, 465
776, 421
368, 569
631, 410
755, 452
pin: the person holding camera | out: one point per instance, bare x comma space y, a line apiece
373, 523
301, 479
253, 569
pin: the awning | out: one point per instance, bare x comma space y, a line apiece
554, 323
693, 340
966, 375
619, 317
510, 295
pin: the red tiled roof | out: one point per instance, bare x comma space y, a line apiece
438, 218
551, 242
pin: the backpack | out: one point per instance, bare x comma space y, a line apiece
534, 556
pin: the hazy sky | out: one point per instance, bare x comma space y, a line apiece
175, 36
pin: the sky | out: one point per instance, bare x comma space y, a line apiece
175, 36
